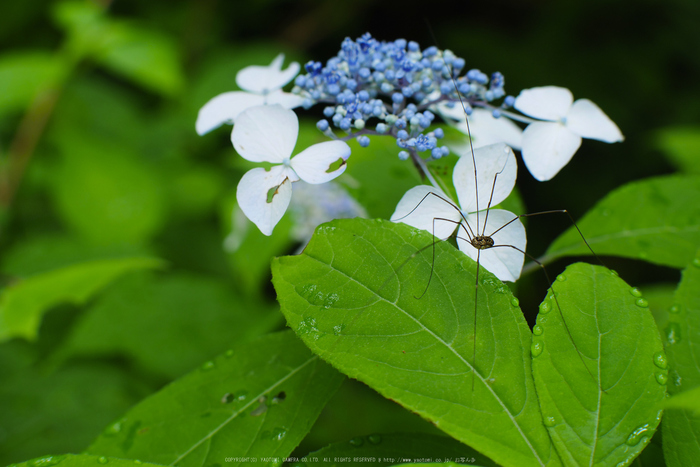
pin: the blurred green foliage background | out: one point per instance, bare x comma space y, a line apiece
99, 162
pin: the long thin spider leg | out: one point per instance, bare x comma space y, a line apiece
430, 278
464, 219
493, 188
566, 326
476, 303
555, 211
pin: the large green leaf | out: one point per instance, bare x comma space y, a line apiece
351, 296
657, 220
388, 449
23, 303
681, 427
605, 412
81, 460
257, 400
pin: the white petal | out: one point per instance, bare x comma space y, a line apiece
432, 212
285, 99
547, 147
487, 130
313, 163
224, 108
264, 79
588, 121
252, 193
495, 162
266, 133
456, 112
503, 259
545, 103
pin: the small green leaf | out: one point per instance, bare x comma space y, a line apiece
395, 448
146, 57
22, 76
606, 412
681, 427
126, 201
351, 296
256, 400
23, 303
682, 146
656, 220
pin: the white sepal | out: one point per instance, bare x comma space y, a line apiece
252, 196
495, 162
547, 148
545, 103
224, 108
266, 133
313, 164
427, 208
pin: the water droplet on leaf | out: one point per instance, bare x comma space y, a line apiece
635, 292
636, 436
661, 378
229, 353
375, 439
545, 307
642, 302
660, 360
278, 434
536, 348
537, 330
673, 333
357, 442
561, 277
102, 460
515, 302
674, 309
208, 365
696, 262
550, 421
228, 398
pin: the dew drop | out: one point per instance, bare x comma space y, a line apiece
330, 301
241, 395
642, 303
229, 353
546, 307
537, 330
374, 439
674, 309
550, 421
660, 360
279, 398
635, 292
515, 301
227, 398
276, 462
278, 434
613, 272
338, 329
661, 378
114, 428
673, 333
536, 348
102, 460
696, 262
46, 461
357, 442
636, 436
208, 365
561, 277
676, 378
307, 292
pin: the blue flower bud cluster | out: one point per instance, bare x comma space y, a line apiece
395, 83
